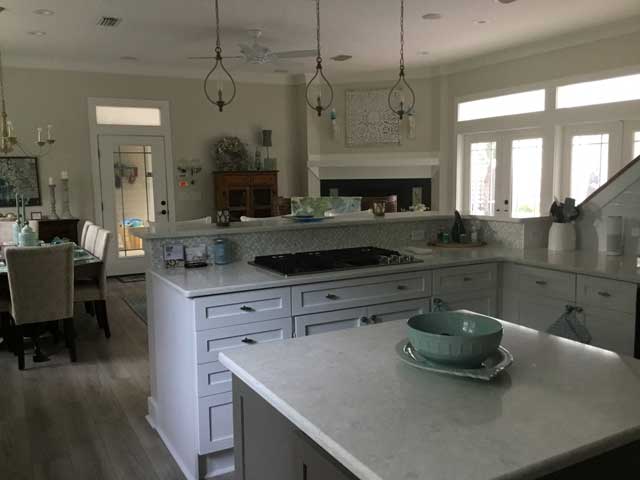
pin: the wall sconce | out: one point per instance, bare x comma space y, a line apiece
411, 116
335, 128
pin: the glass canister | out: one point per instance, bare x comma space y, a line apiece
221, 251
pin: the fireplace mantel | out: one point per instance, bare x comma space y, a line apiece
380, 165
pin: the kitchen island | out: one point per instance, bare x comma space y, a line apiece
343, 406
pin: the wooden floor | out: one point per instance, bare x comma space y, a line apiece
87, 420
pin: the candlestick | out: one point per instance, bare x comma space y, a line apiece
66, 212
39, 134
51, 182
64, 175
52, 203
49, 136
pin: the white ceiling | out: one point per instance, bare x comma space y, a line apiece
163, 33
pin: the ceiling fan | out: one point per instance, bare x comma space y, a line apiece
256, 53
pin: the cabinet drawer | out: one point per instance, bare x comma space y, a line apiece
211, 342
231, 180
213, 378
611, 330
327, 296
604, 293
463, 279
244, 307
389, 312
483, 302
329, 321
216, 423
265, 180
541, 282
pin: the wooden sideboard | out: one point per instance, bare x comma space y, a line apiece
250, 194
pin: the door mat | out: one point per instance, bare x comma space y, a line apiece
137, 303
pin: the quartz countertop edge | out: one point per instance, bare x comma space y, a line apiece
354, 465
240, 276
281, 224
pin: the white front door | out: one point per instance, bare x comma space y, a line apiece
133, 180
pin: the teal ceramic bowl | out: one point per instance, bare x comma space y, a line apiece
459, 338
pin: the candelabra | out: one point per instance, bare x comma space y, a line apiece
52, 205
66, 212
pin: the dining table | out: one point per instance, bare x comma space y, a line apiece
81, 257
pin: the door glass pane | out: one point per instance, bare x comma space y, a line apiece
482, 178
589, 164
526, 177
636, 145
133, 195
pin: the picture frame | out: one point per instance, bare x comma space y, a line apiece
36, 215
369, 121
19, 175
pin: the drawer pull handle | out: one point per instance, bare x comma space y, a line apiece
403, 287
331, 296
604, 294
374, 319
248, 341
467, 279
244, 308
364, 321
541, 282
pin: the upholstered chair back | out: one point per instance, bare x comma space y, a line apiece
85, 229
90, 240
40, 283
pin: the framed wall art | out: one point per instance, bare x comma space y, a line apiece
369, 120
19, 175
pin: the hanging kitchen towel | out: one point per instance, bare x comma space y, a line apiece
570, 326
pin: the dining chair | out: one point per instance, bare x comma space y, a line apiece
5, 318
85, 229
41, 289
92, 290
90, 238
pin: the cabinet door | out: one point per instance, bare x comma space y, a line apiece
397, 311
330, 321
615, 331
483, 302
313, 463
262, 198
538, 313
216, 423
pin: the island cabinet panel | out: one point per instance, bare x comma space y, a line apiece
540, 282
481, 301
244, 307
535, 312
608, 294
213, 378
216, 423
389, 312
209, 343
612, 330
327, 296
329, 322
463, 279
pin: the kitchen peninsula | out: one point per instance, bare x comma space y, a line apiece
196, 314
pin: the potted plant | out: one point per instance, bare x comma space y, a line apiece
230, 154
562, 235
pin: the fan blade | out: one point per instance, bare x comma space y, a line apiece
213, 58
296, 54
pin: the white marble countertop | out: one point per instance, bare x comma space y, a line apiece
559, 403
282, 224
241, 276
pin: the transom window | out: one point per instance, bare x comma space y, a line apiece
513, 104
610, 90
130, 116
636, 145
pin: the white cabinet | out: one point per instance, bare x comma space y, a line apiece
539, 282
329, 321
481, 301
216, 423
465, 279
356, 317
611, 330
535, 312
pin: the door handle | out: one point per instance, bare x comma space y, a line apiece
163, 203
604, 294
331, 296
248, 341
364, 321
402, 287
244, 308
163, 212
541, 282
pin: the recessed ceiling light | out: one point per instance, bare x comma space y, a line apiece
505, 2
423, 52
44, 11
342, 58
280, 70
37, 33
480, 22
129, 58
432, 16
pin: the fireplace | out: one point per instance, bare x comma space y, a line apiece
410, 191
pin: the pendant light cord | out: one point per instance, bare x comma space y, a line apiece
218, 48
4, 107
318, 56
217, 99
402, 37
317, 106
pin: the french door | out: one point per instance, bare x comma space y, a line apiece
133, 182
503, 174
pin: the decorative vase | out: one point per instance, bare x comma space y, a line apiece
28, 237
562, 237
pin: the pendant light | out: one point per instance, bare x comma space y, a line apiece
316, 104
401, 109
218, 100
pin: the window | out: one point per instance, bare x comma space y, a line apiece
135, 116
636, 145
619, 89
482, 178
589, 164
514, 104
526, 177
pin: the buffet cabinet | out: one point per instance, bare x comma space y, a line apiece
250, 194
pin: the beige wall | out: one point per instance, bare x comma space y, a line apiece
40, 97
